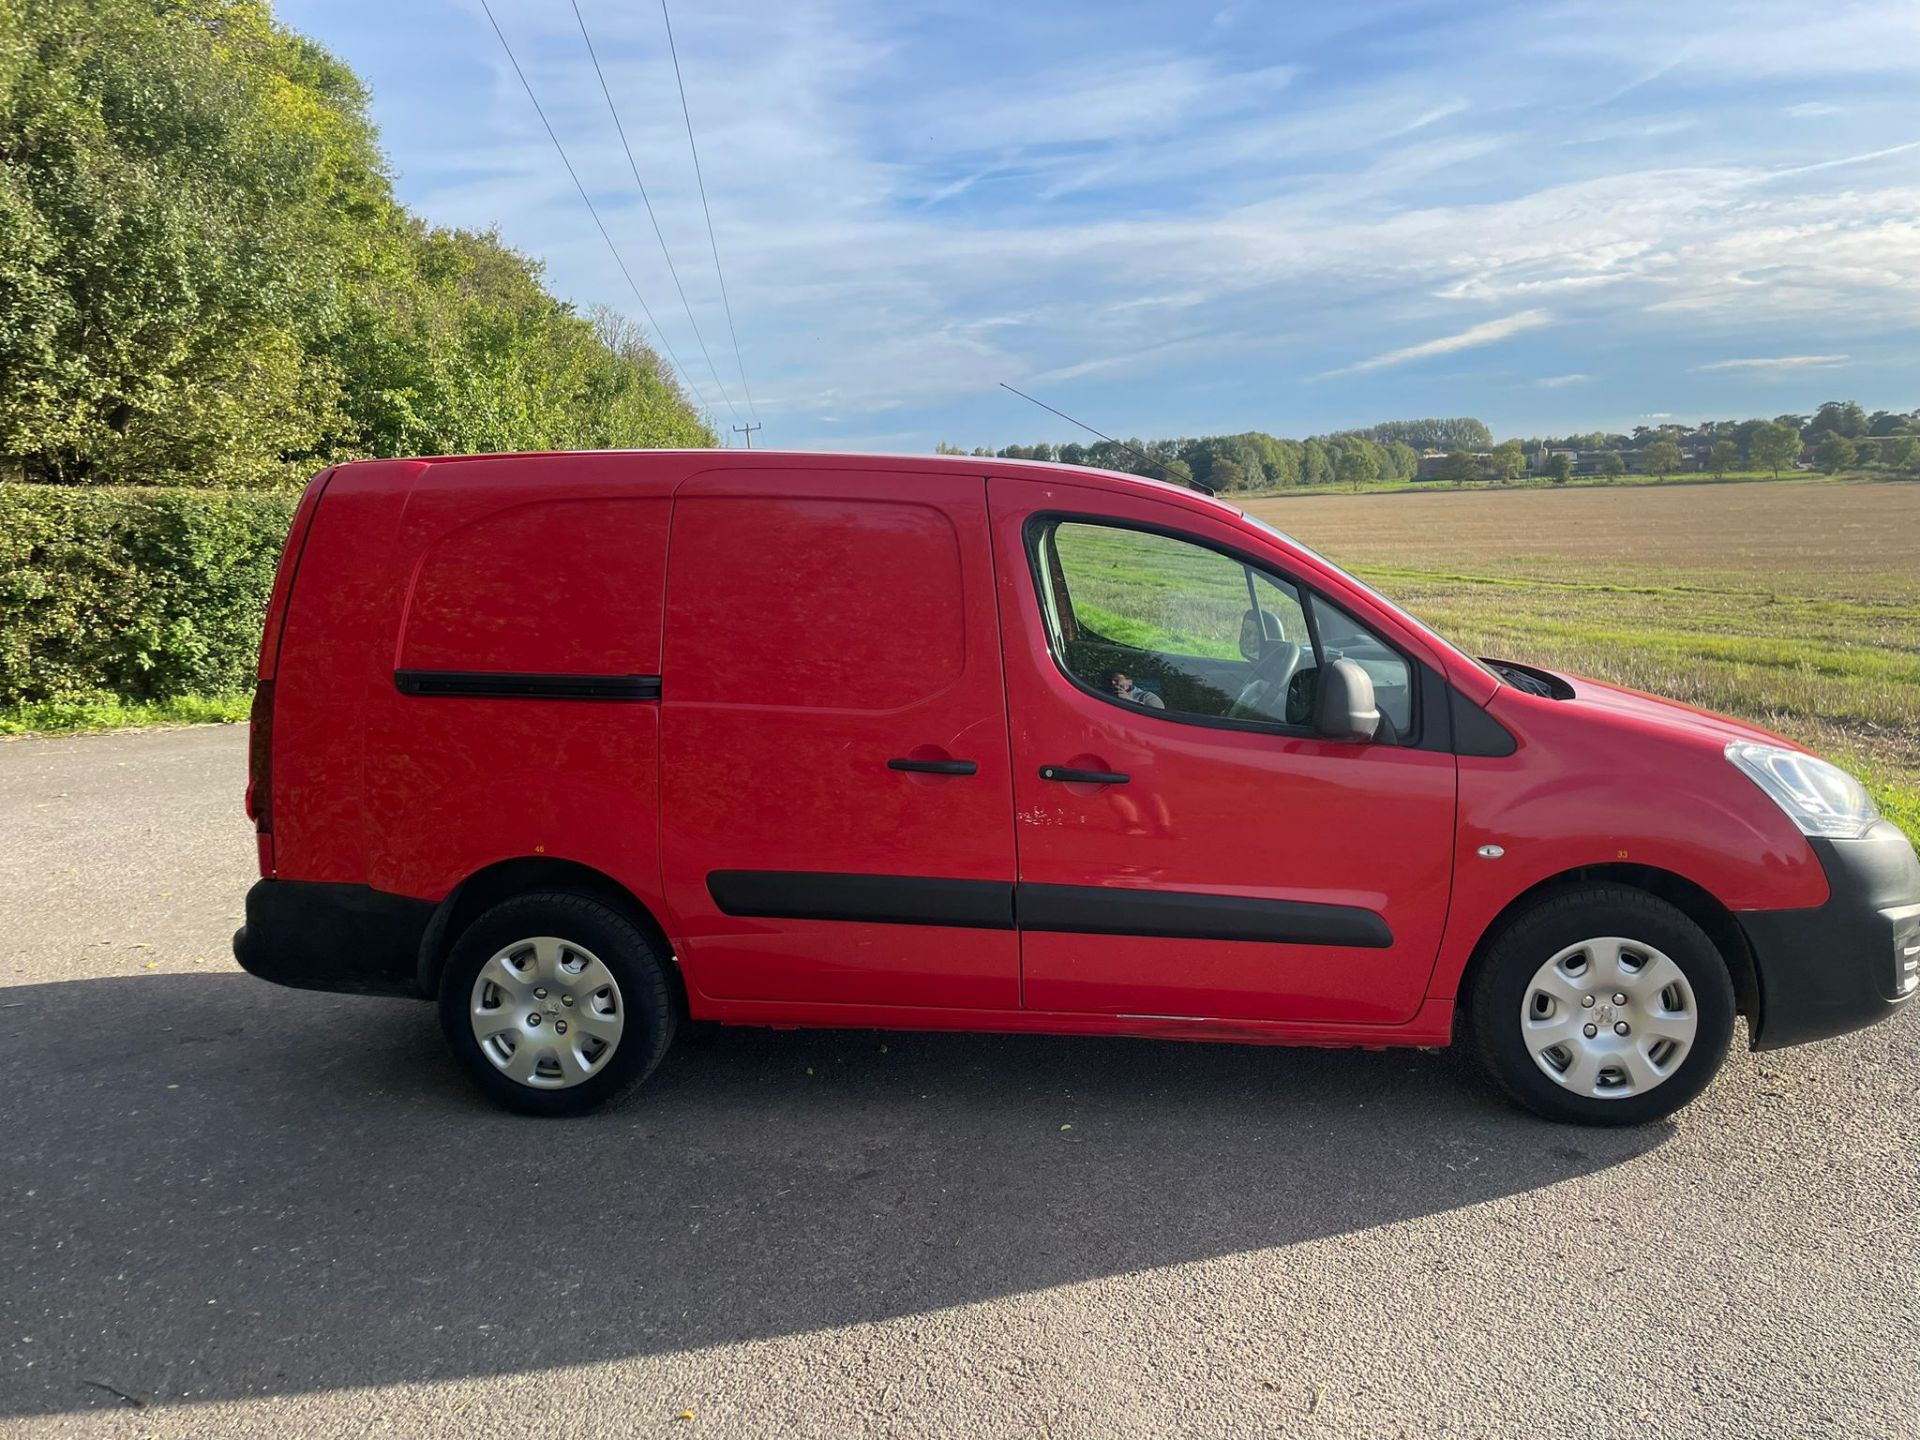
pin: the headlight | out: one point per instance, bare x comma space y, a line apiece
1821, 799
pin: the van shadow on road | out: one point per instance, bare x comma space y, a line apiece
215, 1189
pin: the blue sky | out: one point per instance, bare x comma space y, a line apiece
1185, 219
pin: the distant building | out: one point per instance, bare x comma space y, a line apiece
1433, 465
1585, 462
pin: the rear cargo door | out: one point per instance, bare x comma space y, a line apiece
837, 804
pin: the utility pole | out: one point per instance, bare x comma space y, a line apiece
747, 430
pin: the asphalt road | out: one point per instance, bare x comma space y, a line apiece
254, 1211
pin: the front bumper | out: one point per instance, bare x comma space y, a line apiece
349, 938
1850, 962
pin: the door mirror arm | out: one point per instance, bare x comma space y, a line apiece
1346, 708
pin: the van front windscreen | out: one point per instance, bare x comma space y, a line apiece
1418, 625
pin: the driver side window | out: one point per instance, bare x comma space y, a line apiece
1151, 620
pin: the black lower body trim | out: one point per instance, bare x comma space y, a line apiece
1187, 915
347, 938
876, 899
1070, 909
1840, 966
495, 685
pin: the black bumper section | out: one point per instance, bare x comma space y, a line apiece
1837, 968
348, 938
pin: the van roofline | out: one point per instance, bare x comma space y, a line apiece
1042, 470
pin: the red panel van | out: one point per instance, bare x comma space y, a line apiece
578, 745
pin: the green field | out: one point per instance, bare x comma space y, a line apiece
1795, 605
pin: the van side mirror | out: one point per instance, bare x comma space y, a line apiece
1346, 708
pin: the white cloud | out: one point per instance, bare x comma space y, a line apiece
1560, 382
1778, 362
1860, 159
1811, 110
905, 227
1486, 333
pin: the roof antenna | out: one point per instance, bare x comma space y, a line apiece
1197, 485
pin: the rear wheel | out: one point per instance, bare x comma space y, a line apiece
556, 1004
1602, 1005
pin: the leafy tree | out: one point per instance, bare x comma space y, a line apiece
1508, 460
1316, 467
1899, 451
1772, 446
1613, 463
204, 276
1840, 417
1662, 458
1463, 433
1399, 460
1459, 466
1226, 473
1724, 456
1358, 464
1835, 453
1560, 467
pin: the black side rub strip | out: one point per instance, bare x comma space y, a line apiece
494, 685
1060, 909
878, 899
1182, 915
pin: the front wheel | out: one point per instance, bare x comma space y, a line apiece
556, 1004
1602, 1005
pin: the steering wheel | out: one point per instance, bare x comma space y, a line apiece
1264, 697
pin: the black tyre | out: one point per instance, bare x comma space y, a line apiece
556, 1004
1601, 1005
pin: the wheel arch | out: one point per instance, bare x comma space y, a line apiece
523, 875
1692, 900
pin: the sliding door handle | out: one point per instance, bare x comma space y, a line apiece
1083, 777
935, 767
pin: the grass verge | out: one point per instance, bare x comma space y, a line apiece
109, 712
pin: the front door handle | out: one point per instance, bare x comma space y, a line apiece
1083, 777
934, 767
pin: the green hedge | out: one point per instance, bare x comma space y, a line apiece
134, 594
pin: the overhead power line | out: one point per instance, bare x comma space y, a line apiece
1123, 444
644, 200
699, 179
587, 200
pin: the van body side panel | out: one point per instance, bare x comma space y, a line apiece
283, 576
825, 628
1586, 787
1233, 874
525, 618
333, 648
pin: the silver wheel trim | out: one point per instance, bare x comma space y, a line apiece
546, 1013
1634, 999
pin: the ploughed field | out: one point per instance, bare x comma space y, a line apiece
1794, 605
